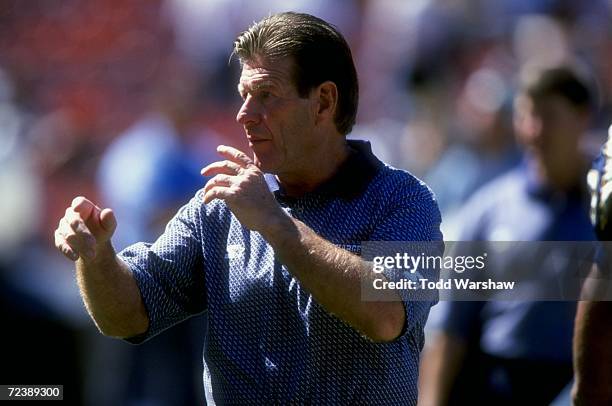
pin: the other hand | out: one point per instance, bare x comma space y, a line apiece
84, 229
241, 184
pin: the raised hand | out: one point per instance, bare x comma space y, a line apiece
241, 184
84, 229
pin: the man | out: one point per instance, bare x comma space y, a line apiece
593, 331
269, 257
516, 351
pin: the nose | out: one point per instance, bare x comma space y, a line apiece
249, 112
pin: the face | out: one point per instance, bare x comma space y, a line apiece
550, 130
279, 124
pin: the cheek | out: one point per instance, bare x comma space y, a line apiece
564, 131
292, 131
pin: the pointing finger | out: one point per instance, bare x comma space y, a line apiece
84, 207
235, 155
226, 167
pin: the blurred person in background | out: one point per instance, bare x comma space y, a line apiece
481, 146
271, 258
519, 352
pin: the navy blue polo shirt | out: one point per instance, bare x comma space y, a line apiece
516, 207
268, 341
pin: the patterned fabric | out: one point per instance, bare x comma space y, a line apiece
268, 341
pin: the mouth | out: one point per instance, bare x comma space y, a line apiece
257, 141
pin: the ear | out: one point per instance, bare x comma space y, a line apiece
326, 100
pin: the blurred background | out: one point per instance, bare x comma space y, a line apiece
123, 101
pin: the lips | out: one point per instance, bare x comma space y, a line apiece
256, 140
255, 136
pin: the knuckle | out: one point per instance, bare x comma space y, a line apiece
68, 252
63, 225
61, 230
75, 223
71, 238
77, 201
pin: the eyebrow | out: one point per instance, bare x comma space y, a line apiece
257, 86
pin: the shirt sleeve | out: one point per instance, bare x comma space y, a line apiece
414, 217
170, 272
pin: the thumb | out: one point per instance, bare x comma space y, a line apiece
108, 222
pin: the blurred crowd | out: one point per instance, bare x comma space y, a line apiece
123, 101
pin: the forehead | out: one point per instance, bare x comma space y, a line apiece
258, 73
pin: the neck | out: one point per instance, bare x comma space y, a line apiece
563, 178
320, 169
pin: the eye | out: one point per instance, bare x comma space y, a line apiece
264, 94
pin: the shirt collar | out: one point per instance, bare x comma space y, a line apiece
349, 181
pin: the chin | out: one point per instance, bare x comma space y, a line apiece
268, 169
266, 165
